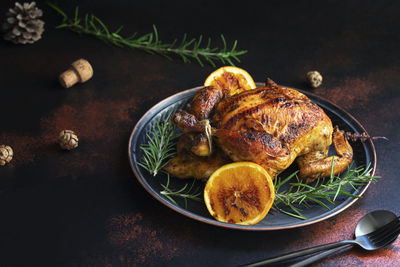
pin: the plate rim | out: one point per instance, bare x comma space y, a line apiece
200, 218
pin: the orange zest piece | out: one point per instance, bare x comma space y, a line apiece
239, 193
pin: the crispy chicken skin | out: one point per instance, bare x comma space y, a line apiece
316, 163
272, 126
188, 165
204, 101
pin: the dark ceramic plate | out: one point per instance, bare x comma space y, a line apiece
364, 155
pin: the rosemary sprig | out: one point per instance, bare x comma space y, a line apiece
187, 49
160, 146
303, 195
186, 192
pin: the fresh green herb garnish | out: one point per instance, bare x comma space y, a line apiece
158, 150
186, 48
303, 195
160, 146
186, 192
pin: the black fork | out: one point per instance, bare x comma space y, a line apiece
381, 237
376, 239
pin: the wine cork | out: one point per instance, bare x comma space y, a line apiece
80, 71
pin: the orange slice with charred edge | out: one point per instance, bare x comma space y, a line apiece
239, 193
232, 80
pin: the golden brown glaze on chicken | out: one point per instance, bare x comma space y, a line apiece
271, 126
316, 164
188, 165
204, 102
202, 105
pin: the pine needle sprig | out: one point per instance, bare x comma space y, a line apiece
186, 192
160, 146
187, 49
301, 195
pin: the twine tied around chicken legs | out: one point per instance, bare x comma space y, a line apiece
207, 130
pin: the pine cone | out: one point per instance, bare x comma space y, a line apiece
6, 154
314, 78
68, 140
22, 23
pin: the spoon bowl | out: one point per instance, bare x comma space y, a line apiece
373, 221
376, 228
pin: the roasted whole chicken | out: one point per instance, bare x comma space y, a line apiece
271, 125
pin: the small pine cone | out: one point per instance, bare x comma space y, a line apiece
22, 24
314, 78
68, 140
6, 154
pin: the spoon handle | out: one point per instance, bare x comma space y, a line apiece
300, 253
319, 256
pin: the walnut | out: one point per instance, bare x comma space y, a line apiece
314, 78
6, 154
68, 140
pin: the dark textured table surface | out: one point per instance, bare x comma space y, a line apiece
86, 208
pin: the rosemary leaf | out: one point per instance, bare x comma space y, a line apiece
160, 146
150, 42
300, 194
184, 192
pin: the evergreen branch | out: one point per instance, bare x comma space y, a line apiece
150, 42
185, 192
301, 195
160, 146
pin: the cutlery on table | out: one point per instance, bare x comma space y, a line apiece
375, 230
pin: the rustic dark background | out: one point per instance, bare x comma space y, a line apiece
86, 208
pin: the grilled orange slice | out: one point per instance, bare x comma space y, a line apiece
232, 80
240, 193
